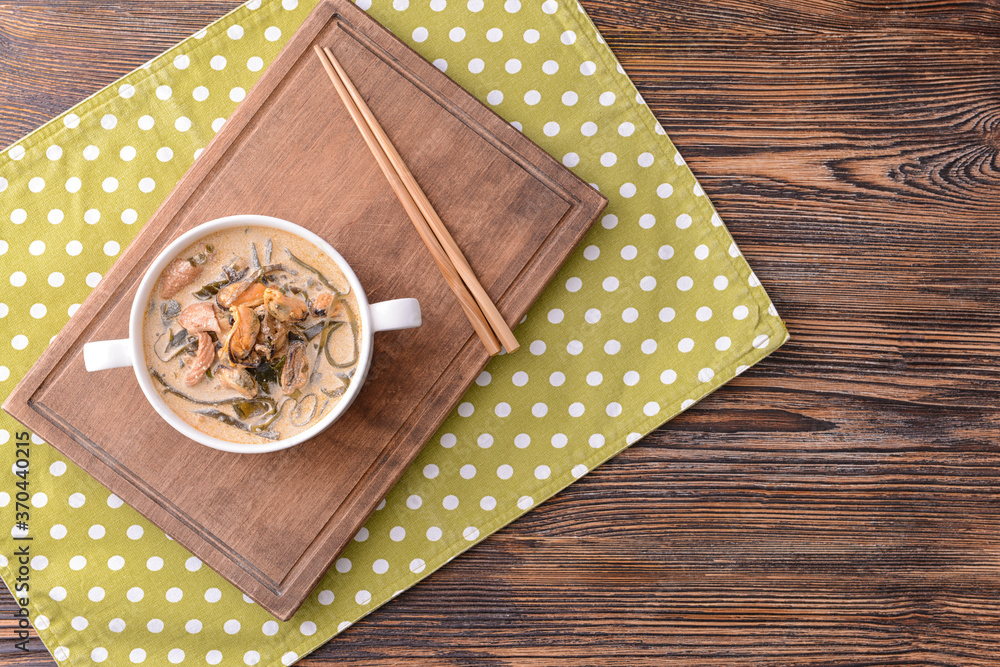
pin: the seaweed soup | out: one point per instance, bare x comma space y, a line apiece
252, 335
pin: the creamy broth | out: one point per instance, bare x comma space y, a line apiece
252, 335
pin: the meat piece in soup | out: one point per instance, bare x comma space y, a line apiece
252, 335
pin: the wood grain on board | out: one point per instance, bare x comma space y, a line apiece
272, 524
838, 504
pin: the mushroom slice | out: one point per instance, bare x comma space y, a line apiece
295, 372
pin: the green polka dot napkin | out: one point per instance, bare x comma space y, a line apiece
654, 310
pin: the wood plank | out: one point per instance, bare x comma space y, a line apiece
851, 149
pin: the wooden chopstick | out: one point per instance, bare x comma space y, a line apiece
427, 222
493, 316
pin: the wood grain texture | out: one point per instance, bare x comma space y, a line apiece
273, 158
838, 504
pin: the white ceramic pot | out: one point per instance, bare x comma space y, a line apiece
385, 316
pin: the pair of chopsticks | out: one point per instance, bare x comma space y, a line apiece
479, 308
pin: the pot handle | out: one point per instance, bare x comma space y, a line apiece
104, 354
395, 315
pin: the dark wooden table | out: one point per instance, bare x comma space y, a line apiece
837, 505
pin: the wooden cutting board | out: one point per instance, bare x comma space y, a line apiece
273, 523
